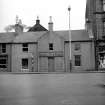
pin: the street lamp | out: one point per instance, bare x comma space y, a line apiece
69, 9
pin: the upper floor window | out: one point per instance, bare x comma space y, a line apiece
3, 48
104, 24
77, 46
50, 46
25, 47
104, 5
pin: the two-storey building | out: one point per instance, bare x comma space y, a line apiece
42, 50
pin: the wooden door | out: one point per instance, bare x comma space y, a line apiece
51, 64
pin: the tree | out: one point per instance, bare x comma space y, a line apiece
18, 22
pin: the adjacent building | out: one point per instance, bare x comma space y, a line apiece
95, 24
42, 50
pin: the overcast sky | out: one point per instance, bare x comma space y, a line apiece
28, 10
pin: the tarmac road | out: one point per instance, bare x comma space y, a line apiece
52, 89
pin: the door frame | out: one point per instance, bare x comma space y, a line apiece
49, 63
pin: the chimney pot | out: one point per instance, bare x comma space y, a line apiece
50, 24
37, 21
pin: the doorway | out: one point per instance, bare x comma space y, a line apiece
51, 64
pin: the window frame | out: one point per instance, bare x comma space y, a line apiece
77, 60
51, 46
25, 47
103, 2
3, 63
77, 46
3, 47
25, 65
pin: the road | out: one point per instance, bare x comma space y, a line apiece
52, 89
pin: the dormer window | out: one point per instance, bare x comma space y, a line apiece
50, 46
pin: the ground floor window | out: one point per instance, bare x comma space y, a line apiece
25, 63
77, 60
3, 61
101, 60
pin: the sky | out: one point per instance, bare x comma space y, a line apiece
28, 10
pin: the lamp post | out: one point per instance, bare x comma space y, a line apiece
69, 9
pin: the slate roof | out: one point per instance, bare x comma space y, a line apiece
37, 27
79, 35
76, 35
28, 37
7, 37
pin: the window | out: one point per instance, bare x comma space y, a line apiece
50, 46
25, 47
104, 24
77, 60
77, 46
3, 61
104, 5
25, 63
3, 48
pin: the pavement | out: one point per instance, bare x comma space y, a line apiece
52, 89
80, 71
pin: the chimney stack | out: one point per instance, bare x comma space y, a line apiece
18, 26
50, 24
